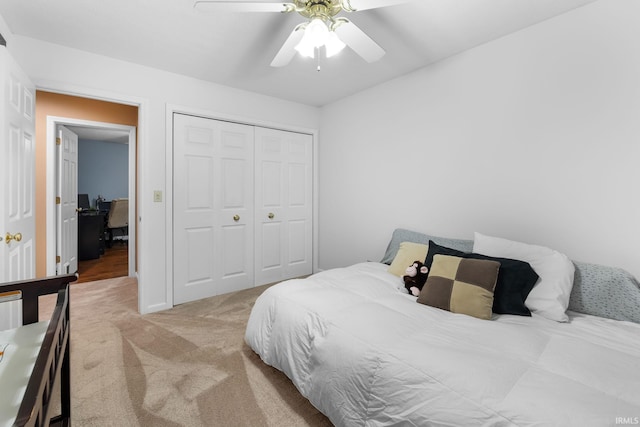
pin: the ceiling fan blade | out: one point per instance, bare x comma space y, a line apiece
357, 40
242, 6
355, 5
287, 51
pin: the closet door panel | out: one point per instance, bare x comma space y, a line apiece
270, 206
235, 274
199, 253
194, 231
299, 207
236, 207
213, 182
283, 205
271, 248
298, 243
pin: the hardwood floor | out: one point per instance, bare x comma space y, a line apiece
114, 263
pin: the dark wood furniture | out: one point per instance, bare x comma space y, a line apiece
52, 364
90, 235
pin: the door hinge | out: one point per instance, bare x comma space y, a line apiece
57, 200
58, 141
57, 259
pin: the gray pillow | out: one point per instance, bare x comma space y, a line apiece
606, 292
401, 235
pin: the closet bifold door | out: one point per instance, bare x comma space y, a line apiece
283, 208
213, 207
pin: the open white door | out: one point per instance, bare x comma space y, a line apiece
17, 189
67, 201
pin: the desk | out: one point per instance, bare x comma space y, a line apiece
90, 235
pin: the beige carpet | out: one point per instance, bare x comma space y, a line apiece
188, 366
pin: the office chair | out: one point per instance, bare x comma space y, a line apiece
118, 218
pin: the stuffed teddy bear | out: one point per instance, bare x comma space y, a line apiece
415, 277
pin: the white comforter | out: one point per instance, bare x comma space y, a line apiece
365, 353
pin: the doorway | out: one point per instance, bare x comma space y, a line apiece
102, 177
91, 130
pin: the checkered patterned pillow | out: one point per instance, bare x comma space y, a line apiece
461, 285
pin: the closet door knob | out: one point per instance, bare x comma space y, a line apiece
236, 218
271, 215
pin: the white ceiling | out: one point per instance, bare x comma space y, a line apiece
93, 133
235, 49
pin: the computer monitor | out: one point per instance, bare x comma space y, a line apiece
104, 207
83, 202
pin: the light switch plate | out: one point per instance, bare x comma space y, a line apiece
157, 196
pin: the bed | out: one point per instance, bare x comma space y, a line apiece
34, 359
365, 353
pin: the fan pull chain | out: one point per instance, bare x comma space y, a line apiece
318, 56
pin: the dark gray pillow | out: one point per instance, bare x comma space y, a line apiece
515, 279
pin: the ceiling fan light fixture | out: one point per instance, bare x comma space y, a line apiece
316, 32
306, 49
333, 45
316, 35
322, 26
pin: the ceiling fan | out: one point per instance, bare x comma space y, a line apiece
322, 28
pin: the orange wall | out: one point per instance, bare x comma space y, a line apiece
71, 107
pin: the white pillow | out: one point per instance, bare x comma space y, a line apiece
550, 295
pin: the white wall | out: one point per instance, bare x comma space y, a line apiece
80, 73
533, 137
